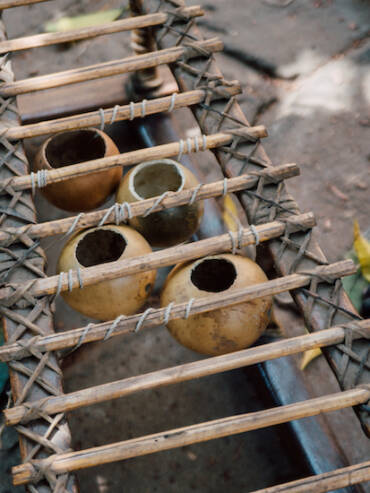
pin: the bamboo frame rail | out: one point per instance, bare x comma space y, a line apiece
71, 461
7, 4
139, 208
123, 325
127, 24
328, 481
195, 144
119, 113
165, 257
107, 69
177, 374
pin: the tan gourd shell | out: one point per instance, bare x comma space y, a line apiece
82, 193
223, 330
108, 299
168, 226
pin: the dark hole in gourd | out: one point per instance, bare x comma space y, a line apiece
99, 247
155, 179
213, 275
74, 147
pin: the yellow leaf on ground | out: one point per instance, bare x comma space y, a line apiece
230, 214
362, 248
309, 356
80, 21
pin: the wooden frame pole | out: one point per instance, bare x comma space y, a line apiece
128, 24
206, 191
177, 374
56, 175
180, 437
167, 256
107, 69
124, 325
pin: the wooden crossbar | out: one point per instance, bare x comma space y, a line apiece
139, 208
119, 113
195, 144
328, 481
155, 317
180, 437
107, 69
172, 256
128, 24
177, 374
7, 4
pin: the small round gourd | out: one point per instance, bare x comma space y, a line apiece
168, 226
222, 330
85, 192
112, 297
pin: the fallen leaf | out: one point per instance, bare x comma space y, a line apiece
80, 21
362, 248
230, 214
309, 356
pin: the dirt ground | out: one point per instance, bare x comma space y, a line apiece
305, 72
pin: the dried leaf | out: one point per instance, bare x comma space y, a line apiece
80, 21
309, 356
362, 248
230, 214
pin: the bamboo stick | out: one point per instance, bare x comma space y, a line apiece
156, 317
180, 437
328, 481
163, 258
7, 4
243, 182
93, 118
115, 67
212, 141
177, 374
128, 24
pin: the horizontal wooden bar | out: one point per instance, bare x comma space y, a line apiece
328, 481
180, 437
127, 24
166, 257
7, 4
124, 325
212, 141
177, 374
139, 208
125, 112
115, 67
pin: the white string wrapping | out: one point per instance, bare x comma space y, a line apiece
142, 319
233, 243
166, 316
156, 203
224, 189
143, 108
187, 147
114, 113
74, 224
38, 179
188, 307
255, 233
113, 327
195, 193
102, 119
132, 110
172, 104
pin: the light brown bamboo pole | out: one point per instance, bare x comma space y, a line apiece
164, 258
124, 325
115, 67
93, 118
212, 141
328, 481
128, 24
7, 4
180, 437
177, 374
243, 182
